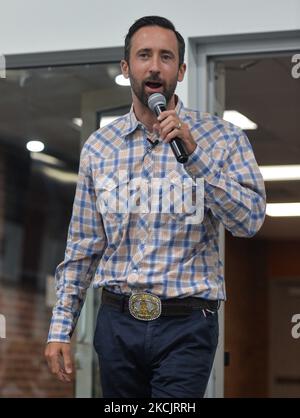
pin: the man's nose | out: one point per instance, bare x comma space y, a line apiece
155, 65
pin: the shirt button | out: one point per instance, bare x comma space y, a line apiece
132, 278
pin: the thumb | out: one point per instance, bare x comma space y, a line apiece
68, 364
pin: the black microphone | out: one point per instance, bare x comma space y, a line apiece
157, 103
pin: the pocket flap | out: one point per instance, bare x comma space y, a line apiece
110, 182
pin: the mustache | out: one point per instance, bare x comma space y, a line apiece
154, 79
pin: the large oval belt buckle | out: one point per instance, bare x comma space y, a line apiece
144, 306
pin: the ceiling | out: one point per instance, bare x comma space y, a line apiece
263, 89
40, 103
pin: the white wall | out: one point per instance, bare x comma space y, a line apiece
52, 25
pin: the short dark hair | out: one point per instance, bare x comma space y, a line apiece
153, 21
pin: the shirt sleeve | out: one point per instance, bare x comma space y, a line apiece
234, 189
85, 245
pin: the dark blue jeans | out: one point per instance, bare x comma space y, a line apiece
170, 357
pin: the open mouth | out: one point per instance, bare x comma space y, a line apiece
153, 85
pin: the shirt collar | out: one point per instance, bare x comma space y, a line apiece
131, 122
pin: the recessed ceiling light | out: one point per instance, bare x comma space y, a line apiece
122, 81
283, 209
60, 175
280, 172
47, 159
239, 120
35, 146
77, 122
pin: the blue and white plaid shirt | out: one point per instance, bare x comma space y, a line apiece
161, 253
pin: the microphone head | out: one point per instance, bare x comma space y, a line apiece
156, 99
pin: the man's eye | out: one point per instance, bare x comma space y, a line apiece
144, 55
166, 57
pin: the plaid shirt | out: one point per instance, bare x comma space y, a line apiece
161, 253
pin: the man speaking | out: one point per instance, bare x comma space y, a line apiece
160, 270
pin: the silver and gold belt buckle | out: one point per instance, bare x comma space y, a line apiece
145, 306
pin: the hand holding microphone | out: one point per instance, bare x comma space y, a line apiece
157, 103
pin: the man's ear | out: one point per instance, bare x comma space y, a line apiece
125, 68
181, 72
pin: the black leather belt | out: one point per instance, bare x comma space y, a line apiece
169, 307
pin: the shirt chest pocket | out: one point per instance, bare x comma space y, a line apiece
112, 199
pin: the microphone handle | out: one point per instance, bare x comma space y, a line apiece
176, 144
179, 150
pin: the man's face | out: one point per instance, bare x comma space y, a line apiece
154, 63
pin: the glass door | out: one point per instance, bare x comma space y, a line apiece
258, 77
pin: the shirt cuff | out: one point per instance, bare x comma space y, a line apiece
60, 331
199, 164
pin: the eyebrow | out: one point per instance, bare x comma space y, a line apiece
163, 51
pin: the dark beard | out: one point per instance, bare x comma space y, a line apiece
139, 90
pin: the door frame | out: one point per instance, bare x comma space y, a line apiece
202, 52
64, 58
